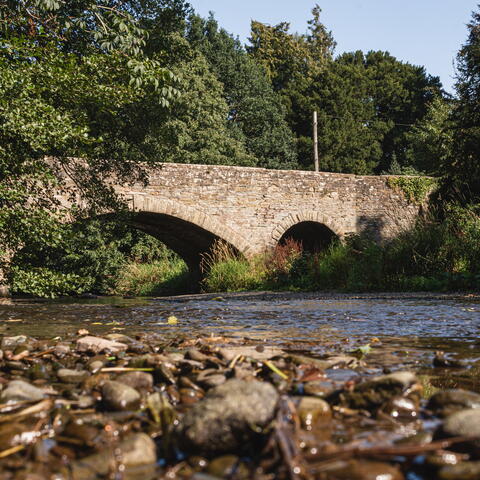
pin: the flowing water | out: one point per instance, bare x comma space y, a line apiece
420, 323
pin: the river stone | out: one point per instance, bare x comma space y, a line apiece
465, 423
118, 396
137, 380
226, 418
374, 393
462, 471
97, 345
67, 375
136, 450
446, 402
9, 343
364, 470
312, 411
20, 391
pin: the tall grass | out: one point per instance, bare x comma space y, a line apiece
436, 255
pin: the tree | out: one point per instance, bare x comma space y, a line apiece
256, 114
73, 84
463, 170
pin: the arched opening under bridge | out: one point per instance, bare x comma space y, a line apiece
313, 236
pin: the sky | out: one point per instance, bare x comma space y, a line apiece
422, 32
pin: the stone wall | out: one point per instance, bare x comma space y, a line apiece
252, 208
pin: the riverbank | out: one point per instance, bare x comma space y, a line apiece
210, 407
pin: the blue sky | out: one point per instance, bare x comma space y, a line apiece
422, 32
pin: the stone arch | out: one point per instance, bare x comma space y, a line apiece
306, 219
184, 229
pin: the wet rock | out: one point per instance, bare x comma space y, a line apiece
364, 470
260, 354
465, 423
189, 396
194, 354
317, 388
120, 337
118, 396
20, 391
441, 360
228, 466
223, 421
67, 375
446, 402
445, 458
209, 379
97, 345
96, 365
38, 372
462, 471
135, 451
10, 343
372, 394
137, 380
312, 411
61, 350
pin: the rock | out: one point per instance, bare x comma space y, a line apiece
97, 345
67, 375
228, 466
461, 471
364, 470
374, 393
20, 391
465, 423
135, 451
312, 411
96, 365
61, 351
194, 354
317, 388
259, 353
441, 360
224, 420
120, 337
137, 380
213, 380
446, 402
9, 343
118, 396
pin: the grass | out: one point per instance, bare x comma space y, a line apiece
162, 277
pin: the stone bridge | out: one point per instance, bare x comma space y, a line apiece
188, 207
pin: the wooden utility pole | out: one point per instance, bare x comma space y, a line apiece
315, 142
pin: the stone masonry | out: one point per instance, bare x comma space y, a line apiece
190, 206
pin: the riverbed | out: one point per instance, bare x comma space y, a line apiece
357, 382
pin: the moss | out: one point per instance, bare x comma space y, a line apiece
415, 189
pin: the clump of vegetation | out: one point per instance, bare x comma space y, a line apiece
433, 256
416, 188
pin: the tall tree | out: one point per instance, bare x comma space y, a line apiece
463, 170
256, 114
73, 83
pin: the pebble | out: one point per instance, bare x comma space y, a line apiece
67, 375
312, 411
462, 471
446, 402
465, 423
118, 396
365, 470
137, 380
9, 343
222, 421
20, 391
97, 345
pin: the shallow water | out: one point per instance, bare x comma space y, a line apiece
445, 322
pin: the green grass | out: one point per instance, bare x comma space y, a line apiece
162, 277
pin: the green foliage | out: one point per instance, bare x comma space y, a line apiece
256, 115
462, 170
161, 277
195, 129
43, 282
435, 255
416, 189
